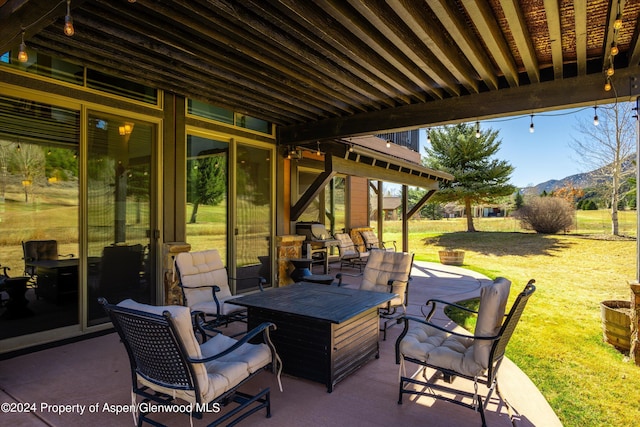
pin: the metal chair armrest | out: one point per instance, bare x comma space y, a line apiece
340, 275
245, 339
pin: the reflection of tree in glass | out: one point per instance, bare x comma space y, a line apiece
27, 161
61, 163
209, 183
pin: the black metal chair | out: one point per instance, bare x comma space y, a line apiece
387, 272
476, 358
170, 367
371, 241
39, 250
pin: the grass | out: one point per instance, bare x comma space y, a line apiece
558, 342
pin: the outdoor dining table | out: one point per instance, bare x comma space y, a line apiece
324, 333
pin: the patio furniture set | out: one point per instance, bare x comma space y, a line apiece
314, 331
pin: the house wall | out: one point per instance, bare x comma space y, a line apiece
358, 202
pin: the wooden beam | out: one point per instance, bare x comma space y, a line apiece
316, 187
425, 29
402, 37
552, 9
520, 33
463, 37
350, 167
580, 11
482, 16
557, 94
381, 46
420, 203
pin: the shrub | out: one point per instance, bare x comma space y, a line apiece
547, 215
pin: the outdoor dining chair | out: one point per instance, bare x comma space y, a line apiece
371, 241
451, 353
39, 250
205, 287
387, 272
170, 368
349, 253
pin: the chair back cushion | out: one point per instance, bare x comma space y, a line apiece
370, 239
204, 268
38, 250
493, 303
182, 321
383, 266
345, 245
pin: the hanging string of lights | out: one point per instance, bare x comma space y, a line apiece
68, 29
608, 64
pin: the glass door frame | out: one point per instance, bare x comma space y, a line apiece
232, 210
155, 203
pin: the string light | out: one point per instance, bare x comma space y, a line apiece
68, 21
429, 135
22, 53
617, 24
531, 126
596, 122
388, 143
318, 150
610, 70
614, 49
477, 129
607, 85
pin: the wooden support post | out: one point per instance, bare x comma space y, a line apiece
634, 353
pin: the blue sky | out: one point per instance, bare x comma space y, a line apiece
542, 155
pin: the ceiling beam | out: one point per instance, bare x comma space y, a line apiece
427, 30
466, 41
482, 16
580, 12
552, 11
557, 94
522, 38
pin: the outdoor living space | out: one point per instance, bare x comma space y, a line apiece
93, 375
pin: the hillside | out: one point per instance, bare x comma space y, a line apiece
582, 180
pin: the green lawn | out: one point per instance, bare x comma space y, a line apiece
559, 340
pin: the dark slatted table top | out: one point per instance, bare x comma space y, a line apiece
331, 303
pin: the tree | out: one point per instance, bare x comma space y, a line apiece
210, 183
479, 178
608, 148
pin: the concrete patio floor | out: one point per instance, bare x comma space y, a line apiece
96, 372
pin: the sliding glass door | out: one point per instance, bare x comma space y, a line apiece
121, 240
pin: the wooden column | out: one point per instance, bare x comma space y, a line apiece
634, 353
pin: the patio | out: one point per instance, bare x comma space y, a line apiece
93, 373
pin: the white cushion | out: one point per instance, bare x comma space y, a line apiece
203, 268
461, 354
383, 266
493, 302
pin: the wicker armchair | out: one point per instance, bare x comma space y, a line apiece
170, 367
475, 358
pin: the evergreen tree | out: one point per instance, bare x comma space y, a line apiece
210, 183
479, 178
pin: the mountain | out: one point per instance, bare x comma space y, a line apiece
582, 180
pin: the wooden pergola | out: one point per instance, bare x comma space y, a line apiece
329, 69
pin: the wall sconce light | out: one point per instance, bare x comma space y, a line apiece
126, 129
68, 21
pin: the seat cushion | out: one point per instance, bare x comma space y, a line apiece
182, 320
493, 303
231, 369
441, 349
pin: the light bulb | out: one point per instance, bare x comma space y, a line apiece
614, 49
531, 127
388, 143
22, 53
607, 85
68, 21
477, 129
318, 150
428, 136
617, 24
610, 71
596, 122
